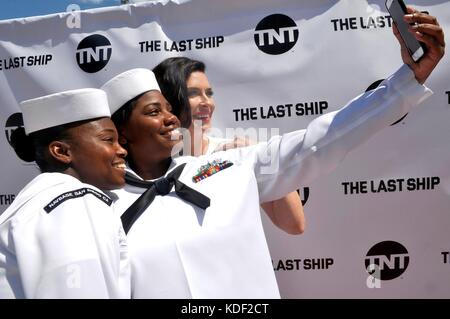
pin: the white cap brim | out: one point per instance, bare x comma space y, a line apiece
127, 85
63, 108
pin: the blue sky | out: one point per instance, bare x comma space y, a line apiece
11, 9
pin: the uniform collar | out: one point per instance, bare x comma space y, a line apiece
174, 163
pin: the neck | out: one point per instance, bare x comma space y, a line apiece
70, 172
151, 170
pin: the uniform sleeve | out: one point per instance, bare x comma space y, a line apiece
69, 252
300, 157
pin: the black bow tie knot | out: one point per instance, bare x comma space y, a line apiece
162, 187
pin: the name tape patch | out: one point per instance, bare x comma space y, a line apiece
76, 194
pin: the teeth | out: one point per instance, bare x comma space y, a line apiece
121, 166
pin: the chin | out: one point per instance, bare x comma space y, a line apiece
117, 182
166, 149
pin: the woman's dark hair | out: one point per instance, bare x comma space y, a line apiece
34, 147
172, 74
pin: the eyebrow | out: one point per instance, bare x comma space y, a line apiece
160, 105
107, 130
156, 103
198, 88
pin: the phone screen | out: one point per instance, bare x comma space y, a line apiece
397, 13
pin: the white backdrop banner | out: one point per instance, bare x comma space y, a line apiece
275, 66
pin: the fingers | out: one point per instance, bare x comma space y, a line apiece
425, 28
431, 30
430, 43
406, 57
420, 17
410, 9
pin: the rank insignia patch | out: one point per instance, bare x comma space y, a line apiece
210, 169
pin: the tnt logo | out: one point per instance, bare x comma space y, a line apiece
14, 121
276, 34
93, 53
387, 260
373, 86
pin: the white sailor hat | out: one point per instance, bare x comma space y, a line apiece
127, 85
64, 107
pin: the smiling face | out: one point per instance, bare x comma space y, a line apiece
200, 95
96, 156
149, 132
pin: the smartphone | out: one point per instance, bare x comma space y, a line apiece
397, 9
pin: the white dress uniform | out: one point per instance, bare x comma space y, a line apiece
178, 250
59, 239
215, 143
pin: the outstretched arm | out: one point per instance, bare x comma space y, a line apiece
287, 213
305, 155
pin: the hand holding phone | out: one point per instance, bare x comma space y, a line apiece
397, 9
